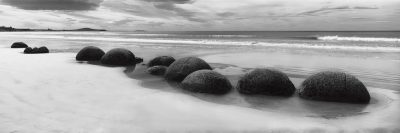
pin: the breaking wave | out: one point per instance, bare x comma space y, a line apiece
213, 42
370, 47
366, 39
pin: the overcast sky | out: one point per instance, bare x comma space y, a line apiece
203, 14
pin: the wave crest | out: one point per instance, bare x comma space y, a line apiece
366, 39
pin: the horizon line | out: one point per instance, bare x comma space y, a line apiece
255, 30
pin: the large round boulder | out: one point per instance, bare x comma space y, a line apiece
28, 50
181, 68
43, 49
157, 70
161, 61
335, 87
89, 53
206, 81
36, 50
138, 60
266, 82
118, 57
19, 45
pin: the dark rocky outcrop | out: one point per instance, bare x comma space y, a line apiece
179, 69
266, 82
36, 50
206, 81
118, 57
90, 53
161, 61
19, 45
157, 70
335, 87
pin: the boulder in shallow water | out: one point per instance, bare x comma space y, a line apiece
157, 70
90, 53
19, 45
206, 81
138, 60
266, 82
181, 68
119, 57
335, 87
161, 61
36, 50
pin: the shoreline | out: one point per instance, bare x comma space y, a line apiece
53, 92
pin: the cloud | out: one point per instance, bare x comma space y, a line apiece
360, 18
325, 10
200, 14
54, 4
226, 14
170, 1
170, 5
124, 21
364, 7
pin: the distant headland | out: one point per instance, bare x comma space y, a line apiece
11, 29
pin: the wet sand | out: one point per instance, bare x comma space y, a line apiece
54, 93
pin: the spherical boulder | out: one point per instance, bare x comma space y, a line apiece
36, 50
179, 69
206, 81
157, 70
90, 53
118, 57
334, 86
43, 50
161, 61
28, 50
266, 82
19, 45
138, 60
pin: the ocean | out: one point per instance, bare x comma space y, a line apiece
349, 41
373, 56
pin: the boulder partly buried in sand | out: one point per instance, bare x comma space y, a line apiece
335, 87
28, 50
181, 68
157, 70
138, 60
19, 45
266, 82
118, 57
43, 50
36, 50
90, 53
161, 61
206, 81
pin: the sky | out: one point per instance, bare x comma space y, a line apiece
201, 15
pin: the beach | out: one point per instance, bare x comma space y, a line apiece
55, 93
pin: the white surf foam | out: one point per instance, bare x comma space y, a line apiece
369, 47
366, 39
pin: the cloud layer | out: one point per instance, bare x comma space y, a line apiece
54, 4
203, 14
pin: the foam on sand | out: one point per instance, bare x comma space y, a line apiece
53, 93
